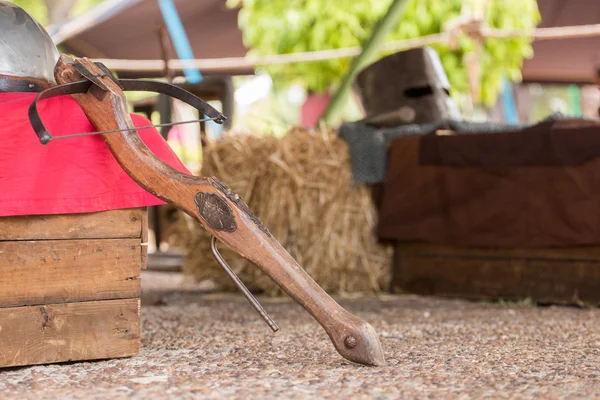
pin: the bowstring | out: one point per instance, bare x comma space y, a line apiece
191, 121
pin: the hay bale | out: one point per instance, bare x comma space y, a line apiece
301, 187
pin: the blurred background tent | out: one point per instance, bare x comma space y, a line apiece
146, 30
129, 29
573, 60
563, 74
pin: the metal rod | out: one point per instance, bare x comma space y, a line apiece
133, 129
241, 286
369, 50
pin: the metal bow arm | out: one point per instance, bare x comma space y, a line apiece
220, 211
135, 85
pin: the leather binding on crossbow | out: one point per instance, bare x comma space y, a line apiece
208, 200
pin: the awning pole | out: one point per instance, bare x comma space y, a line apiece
183, 47
180, 39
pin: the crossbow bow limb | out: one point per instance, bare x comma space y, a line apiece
208, 200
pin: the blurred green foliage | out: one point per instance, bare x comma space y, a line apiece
36, 8
289, 26
82, 6
39, 10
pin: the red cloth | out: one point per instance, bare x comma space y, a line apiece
67, 176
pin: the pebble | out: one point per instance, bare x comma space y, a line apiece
217, 347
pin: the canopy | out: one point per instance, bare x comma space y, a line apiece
565, 60
129, 29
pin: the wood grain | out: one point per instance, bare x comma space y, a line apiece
558, 276
583, 253
125, 223
144, 235
69, 332
58, 271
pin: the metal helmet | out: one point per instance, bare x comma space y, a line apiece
407, 87
26, 49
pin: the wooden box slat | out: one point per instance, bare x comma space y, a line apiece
69, 332
554, 275
113, 224
70, 286
582, 253
59, 271
144, 236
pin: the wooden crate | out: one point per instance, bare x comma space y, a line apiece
70, 286
548, 276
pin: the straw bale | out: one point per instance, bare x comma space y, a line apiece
300, 186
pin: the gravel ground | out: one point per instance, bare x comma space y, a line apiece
214, 346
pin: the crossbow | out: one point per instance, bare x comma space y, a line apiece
208, 200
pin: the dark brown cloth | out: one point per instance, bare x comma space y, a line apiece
551, 143
527, 190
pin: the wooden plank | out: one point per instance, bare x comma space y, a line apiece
554, 276
107, 224
69, 332
144, 235
583, 253
60, 271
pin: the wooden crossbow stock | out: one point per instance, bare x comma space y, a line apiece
208, 200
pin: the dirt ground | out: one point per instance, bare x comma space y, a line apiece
214, 346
